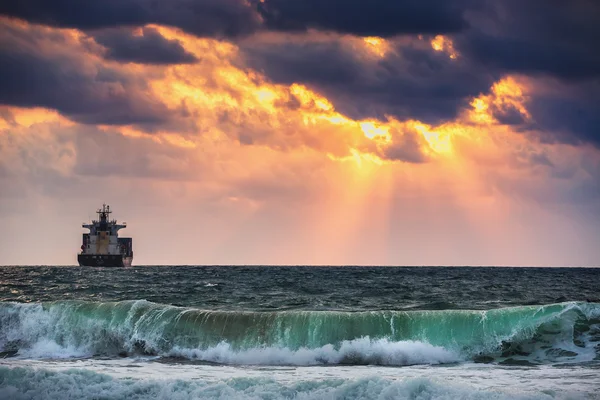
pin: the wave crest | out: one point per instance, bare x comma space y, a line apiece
565, 331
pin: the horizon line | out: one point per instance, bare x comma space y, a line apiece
316, 265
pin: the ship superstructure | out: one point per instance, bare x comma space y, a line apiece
102, 246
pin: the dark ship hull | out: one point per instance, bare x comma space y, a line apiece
104, 260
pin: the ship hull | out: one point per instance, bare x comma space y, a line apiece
104, 260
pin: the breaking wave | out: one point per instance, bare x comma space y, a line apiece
564, 332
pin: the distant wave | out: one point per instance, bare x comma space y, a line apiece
564, 332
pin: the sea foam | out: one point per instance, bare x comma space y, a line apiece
32, 384
363, 351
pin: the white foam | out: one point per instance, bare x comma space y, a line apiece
35, 383
45, 348
358, 351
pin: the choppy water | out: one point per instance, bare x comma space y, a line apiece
299, 332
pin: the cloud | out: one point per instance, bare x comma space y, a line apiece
41, 67
569, 61
508, 114
411, 81
103, 153
406, 146
76, 153
567, 112
555, 39
147, 46
554, 45
408, 81
58, 158
233, 18
373, 18
200, 17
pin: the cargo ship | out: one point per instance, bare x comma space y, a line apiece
102, 246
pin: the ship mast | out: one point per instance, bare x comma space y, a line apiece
103, 215
103, 212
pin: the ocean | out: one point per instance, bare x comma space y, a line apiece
233, 332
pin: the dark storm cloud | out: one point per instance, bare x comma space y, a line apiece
199, 17
569, 114
366, 18
148, 48
411, 82
570, 118
239, 17
554, 37
555, 41
561, 119
507, 115
547, 39
515, 55
39, 70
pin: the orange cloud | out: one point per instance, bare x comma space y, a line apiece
510, 93
442, 43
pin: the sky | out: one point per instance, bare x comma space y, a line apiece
316, 132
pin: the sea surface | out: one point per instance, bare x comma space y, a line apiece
180, 332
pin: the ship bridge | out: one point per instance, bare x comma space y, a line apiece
102, 224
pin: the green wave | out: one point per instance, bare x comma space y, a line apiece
144, 327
